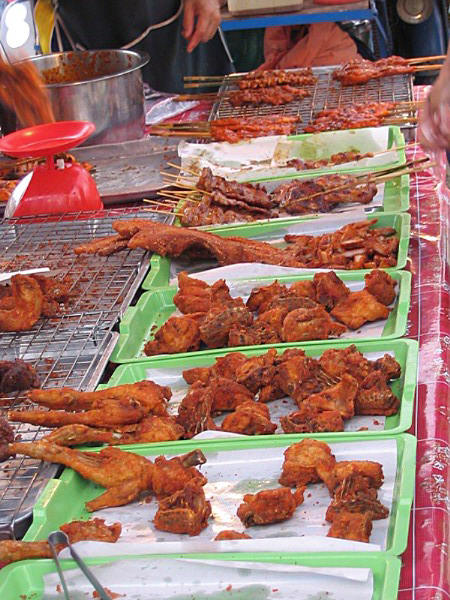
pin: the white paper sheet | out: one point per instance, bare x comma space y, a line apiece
177, 579
233, 473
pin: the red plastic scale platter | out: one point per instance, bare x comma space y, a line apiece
52, 190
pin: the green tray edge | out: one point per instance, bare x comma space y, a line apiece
126, 373
55, 492
159, 273
25, 579
130, 328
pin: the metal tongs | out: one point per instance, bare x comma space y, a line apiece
60, 538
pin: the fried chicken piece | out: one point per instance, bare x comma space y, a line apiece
255, 372
249, 418
124, 475
340, 397
185, 511
305, 324
218, 321
309, 420
148, 394
336, 362
194, 412
150, 430
28, 301
228, 394
77, 531
94, 529
388, 366
173, 475
262, 296
193, 295
107, 413
225, 366
304, 289
269, 506
351, 526
178, 334
371, 470
254, 335
330, 290
355, 495
308, 461
375, 397
381, 285
17, 375
301, 376
229, 534
359, 308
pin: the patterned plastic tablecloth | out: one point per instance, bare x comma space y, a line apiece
426, 563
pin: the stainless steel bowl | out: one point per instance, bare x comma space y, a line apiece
102, 86
414, 11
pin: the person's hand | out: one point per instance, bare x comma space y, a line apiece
200, 21
434, 118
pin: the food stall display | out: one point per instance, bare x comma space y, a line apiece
231, 407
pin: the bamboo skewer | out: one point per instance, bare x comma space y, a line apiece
428, 67
421, 59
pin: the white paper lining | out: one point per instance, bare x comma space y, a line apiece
265, 157
233, 473
178, 579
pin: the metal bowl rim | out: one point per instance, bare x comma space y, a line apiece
143, 56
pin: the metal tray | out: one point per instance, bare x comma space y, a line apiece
129, 170
326, 93
140, 323
167, 371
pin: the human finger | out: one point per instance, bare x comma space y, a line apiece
188, 20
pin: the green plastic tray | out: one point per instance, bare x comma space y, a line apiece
24, 580
63, 499
159, 274
139, 323
405, 351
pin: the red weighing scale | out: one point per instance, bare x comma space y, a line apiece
50, 188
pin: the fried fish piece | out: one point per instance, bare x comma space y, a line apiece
304, 289
351, 526
256, 371
225, 366
308, 461
375, 397
250, 418
178, 334
336, 362
253, 335
262, 296
381, 285
28, 301
228, 394
371, 470
194, 412
309, 420
330, 290
274, 317
269, 506
305, 324
359, 308
301, 376
185, 511
193, 295
388, 366
215, 329
355, 495
229, 534
340, 397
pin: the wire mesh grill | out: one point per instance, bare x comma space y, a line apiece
72, 348
75, 360
325, 93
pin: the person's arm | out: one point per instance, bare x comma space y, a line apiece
434, 119
200, 21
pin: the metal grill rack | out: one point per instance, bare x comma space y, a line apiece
326, 93
74, 360
73, 348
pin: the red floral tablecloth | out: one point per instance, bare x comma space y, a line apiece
426, 563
